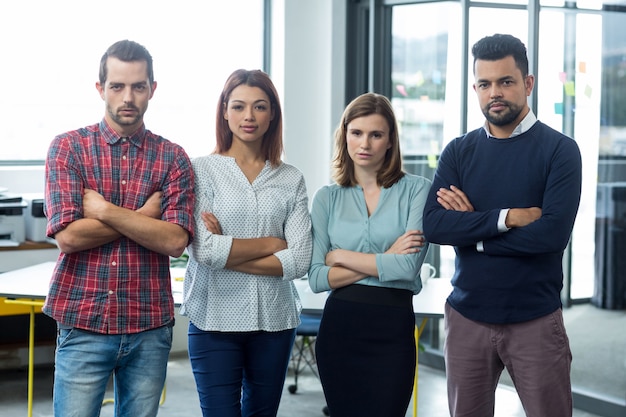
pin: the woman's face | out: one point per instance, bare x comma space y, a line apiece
249, 113
368, 140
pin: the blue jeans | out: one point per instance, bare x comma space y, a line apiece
85, 361
240, 373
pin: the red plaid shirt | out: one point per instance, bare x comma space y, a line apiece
120, 287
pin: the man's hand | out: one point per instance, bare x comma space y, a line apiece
93, 204
152, 207
454, 199
409, 242
520, 217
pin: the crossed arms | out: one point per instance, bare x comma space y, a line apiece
251, 256
104, 222
455, 199
348, 267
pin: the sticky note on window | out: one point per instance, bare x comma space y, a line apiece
558, 108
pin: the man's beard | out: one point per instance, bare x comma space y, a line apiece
125, 121
502, 118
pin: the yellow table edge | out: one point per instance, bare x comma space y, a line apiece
32, 304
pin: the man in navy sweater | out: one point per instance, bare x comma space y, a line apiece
506, 196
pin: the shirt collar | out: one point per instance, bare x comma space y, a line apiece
111, 137
526, 123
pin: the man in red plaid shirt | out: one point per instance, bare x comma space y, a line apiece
119, 202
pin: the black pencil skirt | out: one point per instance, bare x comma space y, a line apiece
366, 351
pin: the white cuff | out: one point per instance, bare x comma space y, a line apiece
502, 221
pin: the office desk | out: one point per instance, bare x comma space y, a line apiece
32, 282
29, 286
429, 303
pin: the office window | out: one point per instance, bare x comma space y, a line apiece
580, 91
511, 21
425, 72
51, 52
425, 75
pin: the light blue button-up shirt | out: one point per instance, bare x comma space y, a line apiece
340, 221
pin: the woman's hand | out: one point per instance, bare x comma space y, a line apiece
409, 242
211, 223
333, 258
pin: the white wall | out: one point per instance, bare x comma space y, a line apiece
22, 179
308, 65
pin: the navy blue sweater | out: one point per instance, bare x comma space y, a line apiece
519, 275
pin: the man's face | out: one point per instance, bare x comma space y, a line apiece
126, 93
502, 92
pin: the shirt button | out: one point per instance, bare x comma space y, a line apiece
123, 182
110, 292
124, 157
113, 263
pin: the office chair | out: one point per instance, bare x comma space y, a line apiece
303, 355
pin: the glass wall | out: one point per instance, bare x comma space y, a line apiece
426, 57
580, 88
580, 68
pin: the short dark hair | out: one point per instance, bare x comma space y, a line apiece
499, 46
272, 145
343, 166
127, 51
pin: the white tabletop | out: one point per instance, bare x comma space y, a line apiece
33, 282
30, 282
429, 302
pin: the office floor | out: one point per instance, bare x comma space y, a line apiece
597, 341
181, 399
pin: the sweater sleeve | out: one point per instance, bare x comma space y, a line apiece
449, 227
561, 199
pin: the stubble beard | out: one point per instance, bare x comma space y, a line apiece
502, 118
125, 121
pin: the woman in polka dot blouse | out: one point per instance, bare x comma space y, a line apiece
253, 237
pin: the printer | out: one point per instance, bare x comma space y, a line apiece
12, 224
35, 219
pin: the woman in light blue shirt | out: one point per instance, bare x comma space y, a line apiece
368, 249
252, 238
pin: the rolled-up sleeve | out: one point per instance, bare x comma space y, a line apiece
297, 257
207, 248
64, 187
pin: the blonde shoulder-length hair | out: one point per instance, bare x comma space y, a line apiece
343, 166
